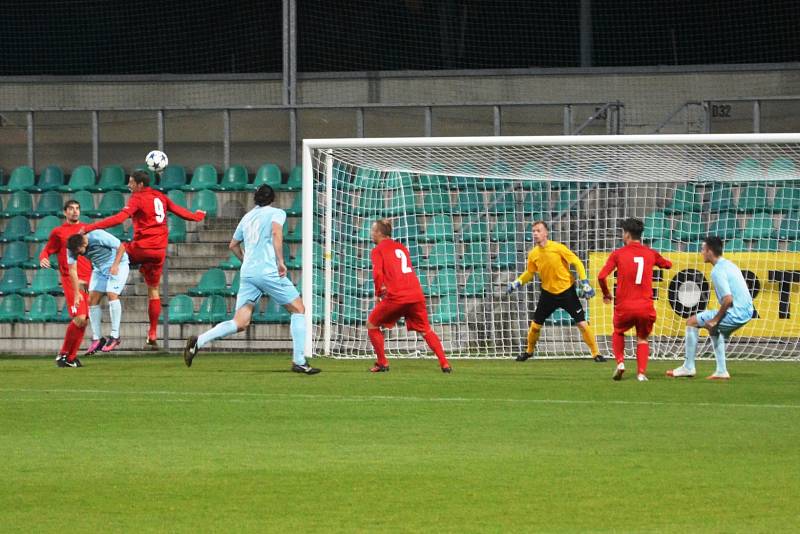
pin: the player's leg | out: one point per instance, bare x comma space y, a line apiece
298, 329
691, 339
151, 271
644, 326
622, 323
385, 314
719, 336
73, 337
416, 315
96, 290
114, 288
568, 300
544, 308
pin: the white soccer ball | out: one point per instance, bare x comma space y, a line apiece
156, 161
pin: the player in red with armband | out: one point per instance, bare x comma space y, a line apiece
633, 306
148, 208
77, 305
398, 294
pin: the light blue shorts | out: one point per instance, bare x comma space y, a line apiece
105, 283
726, 326
280, 289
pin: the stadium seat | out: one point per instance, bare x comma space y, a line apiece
349, 312
363, 232
474, 229
86, 201
293, 234
111, 203
12, 309
475, 255
44, 309
52, 177
15, 254
213, 309
371, 203
233, 289
207, 201
269, 174
231, 263
465, 178
505, 229
747, 170
181, 309
536, 203
112, 178
16, 229
44, 281
178, 197
274, 313
121, 232
33, 261
212, 282
403, 202
469, 202
537, 174
203, 177
50, 203
445, 283
297, 205
447, 311
345, 282
295, 180
233, 179
173, 177
176, 228
503, 203
787, 198
436, 202
405, 228
656, 226
794, 246
752, 198
508, 257
19, 203
367, 179
568, 199
735, 245
13, 281
431, 182
724, 225
759, 226
782, 169
43, 229
476, 283
765, 245
790, 226
720, 197
441, 255
439, 228
661, 245
685, 200
22, 179
689, 227
81, 179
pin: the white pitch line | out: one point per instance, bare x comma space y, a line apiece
254, 397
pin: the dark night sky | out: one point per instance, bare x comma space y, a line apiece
73, 37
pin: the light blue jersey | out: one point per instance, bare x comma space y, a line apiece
728, 280
255, 233
101, 251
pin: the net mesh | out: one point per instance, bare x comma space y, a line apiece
465, 214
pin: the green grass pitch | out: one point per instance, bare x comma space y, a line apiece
238, 443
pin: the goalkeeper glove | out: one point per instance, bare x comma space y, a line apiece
586, 289
513, 286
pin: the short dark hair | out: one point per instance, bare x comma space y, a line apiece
715, 244
70, 202
141, 177
384, 227
633, 226
264, 195
74, 242
542, 223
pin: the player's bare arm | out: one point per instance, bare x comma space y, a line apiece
114, 270
277, 242
236, 247
76, 284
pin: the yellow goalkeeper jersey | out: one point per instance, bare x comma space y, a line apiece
552, 262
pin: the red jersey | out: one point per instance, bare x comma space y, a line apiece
393, 274
57, 244
148, 208
634, 265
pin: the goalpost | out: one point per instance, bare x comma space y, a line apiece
464, 208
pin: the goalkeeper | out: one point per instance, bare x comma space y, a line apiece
552, 260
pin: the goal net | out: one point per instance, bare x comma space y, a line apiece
464, 208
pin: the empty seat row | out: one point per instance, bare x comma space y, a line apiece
690, 226
750, 199
44, 309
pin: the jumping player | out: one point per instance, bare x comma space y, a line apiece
633, 306
148, 208
57, 244
398, 294
552, 260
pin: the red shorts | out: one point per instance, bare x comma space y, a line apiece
642, 320
69, 295
150, 260
386, 314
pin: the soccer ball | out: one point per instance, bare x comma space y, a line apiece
156, 161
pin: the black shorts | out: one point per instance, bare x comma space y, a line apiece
568, 300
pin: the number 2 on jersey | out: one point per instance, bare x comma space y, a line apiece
158, 206
639, 261
403, 261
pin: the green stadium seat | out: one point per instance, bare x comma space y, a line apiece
233, 179
43, 229
44, 281
466, 177
33, 261
725, 225
297, 206
790, 226
212, 282
752, 198
439, 228
469, 202
720, 197
474, 229
213, 309
782, 169
477, 283
447, 311
794, 246
536, 203
22, 179
371, 203
661, 245
294, 233
713, 171
363, 232
403, 202
759, 226
475, 255
268, 174
685, 200
86, 201
15, 254
181, 309
432, 182
203, 177
111, 204
52, 177
445, 283
16, 229
295, 261
765, 245
231, 263
207, 201
537, 174
233, 289
507, 257
350, 312
50, 203
12, 309
559, 318
173, 177
44, 309
564, 174
274, 313
568, 199
503, 203
295, 180
112, 178
345, 282
367, 179
19, 203
492, 182
414, 251
122, 232
735, 245
436, 202
689, 227
441, 255
405, 228
13, 281
787, 198
747, 170
81, 179
176, 227
656, 226
178, 197
505, 229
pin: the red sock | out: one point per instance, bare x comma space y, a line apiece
67, 344
436, 346
76, 341
618, 344
153, 311
642, 355
376, 338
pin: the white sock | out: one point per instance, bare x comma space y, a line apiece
298, 329
692, 335
718, 342
223, 329
115, 311
95, 319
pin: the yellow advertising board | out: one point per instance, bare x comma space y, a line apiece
772, 277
